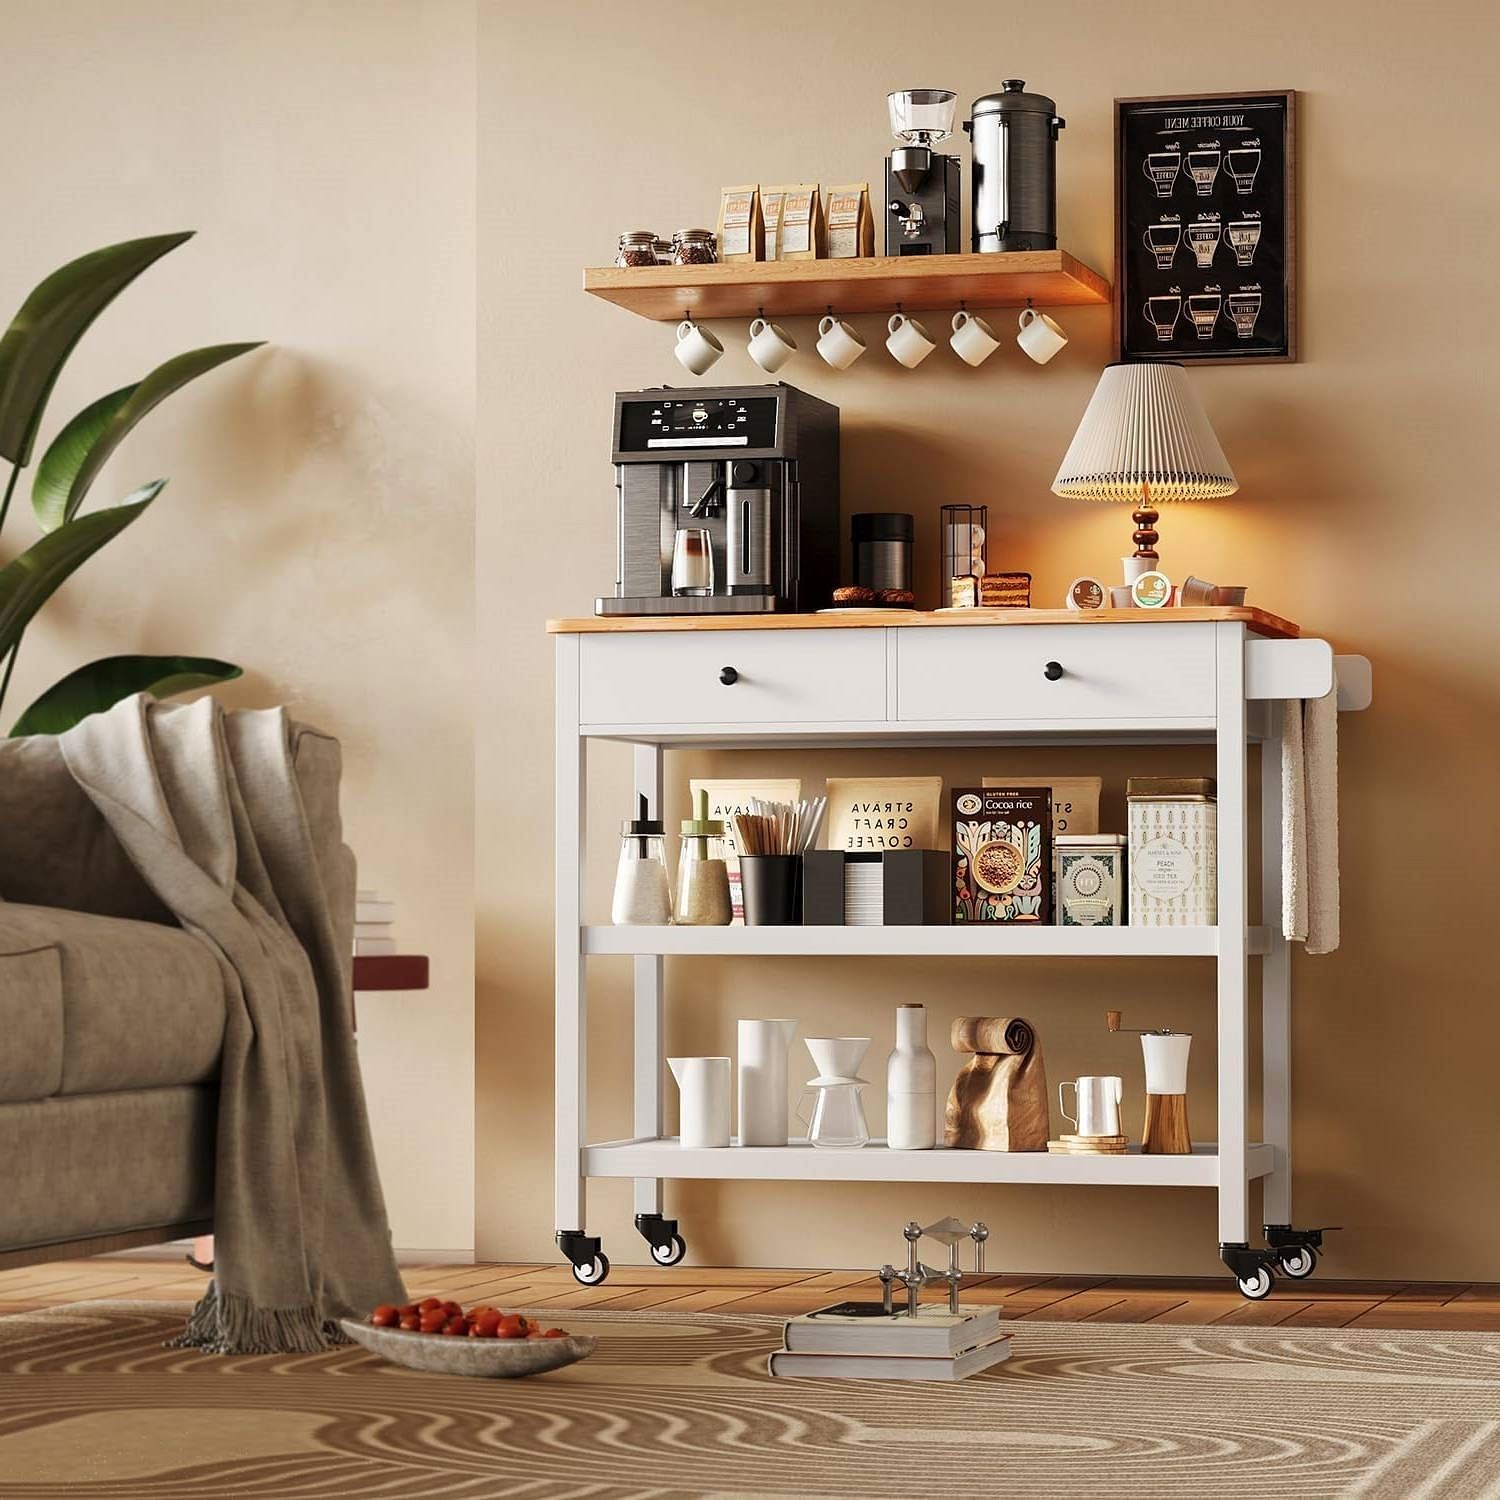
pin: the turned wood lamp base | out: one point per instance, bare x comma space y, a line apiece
1166, 1129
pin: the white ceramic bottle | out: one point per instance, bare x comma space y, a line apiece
911, 1084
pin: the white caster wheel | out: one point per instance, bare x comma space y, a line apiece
592, 1272
1298, 1262
1258, 1284
671, 1252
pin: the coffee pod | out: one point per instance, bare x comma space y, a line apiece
1121, 597
1134, 566
1195, 591
1152, 590
1086, 593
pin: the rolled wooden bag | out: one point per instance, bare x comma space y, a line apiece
998, 1102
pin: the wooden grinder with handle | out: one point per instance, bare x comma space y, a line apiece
1165, 1132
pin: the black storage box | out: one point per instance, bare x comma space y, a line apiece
913, 887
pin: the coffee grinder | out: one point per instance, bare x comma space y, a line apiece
921, 188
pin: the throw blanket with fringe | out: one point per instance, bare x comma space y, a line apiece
207, 806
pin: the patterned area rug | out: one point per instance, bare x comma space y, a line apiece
92, 1406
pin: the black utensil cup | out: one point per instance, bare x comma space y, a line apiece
771, 888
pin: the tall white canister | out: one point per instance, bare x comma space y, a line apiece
762, 1090
911, 1084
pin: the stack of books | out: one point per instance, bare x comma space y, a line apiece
861, 1341
374, 924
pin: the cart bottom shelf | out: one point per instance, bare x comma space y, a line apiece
668, 1158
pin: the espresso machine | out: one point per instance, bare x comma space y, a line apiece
728, 501
921, 187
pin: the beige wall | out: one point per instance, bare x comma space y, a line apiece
1364, 513
318, 528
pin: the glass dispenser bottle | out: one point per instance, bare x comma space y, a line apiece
643, 895
702, 874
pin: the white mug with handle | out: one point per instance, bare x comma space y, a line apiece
696, 348
1040, 337
909, 343
770, 346
838, 343
973, 339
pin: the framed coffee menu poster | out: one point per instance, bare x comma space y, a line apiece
1205, 216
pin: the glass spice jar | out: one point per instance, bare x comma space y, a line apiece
664, 252
694, 247
637, 248
643, 896
702, 874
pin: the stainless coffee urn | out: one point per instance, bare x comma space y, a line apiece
1014, 135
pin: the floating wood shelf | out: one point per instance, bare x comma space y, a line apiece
791, 288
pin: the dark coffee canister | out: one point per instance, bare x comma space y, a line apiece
882, 542
1014, 136
771, 887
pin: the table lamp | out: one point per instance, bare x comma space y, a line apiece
1144, 438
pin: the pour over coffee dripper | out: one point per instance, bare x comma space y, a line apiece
837, 1118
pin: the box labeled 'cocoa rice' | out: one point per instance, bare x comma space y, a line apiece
1002, 854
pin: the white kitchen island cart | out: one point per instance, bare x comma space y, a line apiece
1215, 676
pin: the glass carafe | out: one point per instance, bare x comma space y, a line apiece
838, 1114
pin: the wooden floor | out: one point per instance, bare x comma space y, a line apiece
1308, 1304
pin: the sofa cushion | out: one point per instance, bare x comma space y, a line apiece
142, 1004
105, 1164
31, 1019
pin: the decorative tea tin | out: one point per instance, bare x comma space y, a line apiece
1090, 871
1173, 860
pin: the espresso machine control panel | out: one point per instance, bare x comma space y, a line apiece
727, 501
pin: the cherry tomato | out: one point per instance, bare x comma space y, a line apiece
411, 1322
385, 1316
409, 1310
512, 1326
455, 1326
428, 1303
485, 1326
555, 1333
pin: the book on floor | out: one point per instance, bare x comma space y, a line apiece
790, 1362
866, 1328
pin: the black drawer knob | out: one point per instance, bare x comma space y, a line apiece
1052, 671
728, 676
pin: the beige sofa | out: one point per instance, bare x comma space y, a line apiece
111, 1019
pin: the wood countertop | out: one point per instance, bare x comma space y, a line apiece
1261, 621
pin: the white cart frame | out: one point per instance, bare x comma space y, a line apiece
1252, 675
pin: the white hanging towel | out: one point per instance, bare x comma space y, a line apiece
1310, 821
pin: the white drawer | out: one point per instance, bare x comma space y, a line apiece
780, 677
1110, 673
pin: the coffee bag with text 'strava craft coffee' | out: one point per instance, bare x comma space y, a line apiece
850, 225
741, 228
802, 235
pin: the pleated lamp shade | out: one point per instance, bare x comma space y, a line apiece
1144, 437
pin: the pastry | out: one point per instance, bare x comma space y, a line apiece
853, 593
1005, 590
903, 597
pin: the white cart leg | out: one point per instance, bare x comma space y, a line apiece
1234, 1188
570, 1009
648, 1006
1275, 986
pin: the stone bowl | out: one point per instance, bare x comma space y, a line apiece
439, 1354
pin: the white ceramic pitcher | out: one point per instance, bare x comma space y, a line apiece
703, 1083
762, 1090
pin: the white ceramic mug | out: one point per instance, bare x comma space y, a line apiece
838, 343
1097, 1110
770, 347
703, 1083
1040, 337
909, 343
973, 339
696, 349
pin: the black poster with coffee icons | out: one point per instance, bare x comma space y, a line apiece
1205, 259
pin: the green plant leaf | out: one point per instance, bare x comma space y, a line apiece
65, 456
53, 318
28, 581
84, 446
103, 683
